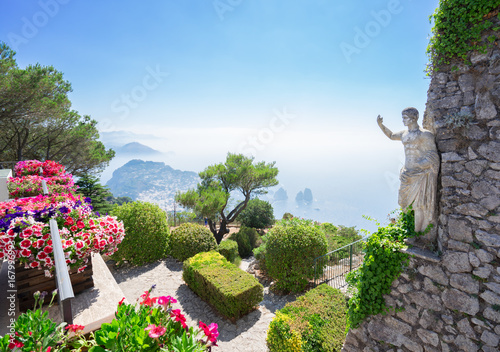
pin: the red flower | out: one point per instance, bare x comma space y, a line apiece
179, 317
25, 243
80, 224
34, 264
41, 255
25, 252
75, 328
121, 302
48, 249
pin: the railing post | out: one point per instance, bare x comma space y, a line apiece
350, 257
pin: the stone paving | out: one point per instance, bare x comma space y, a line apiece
247, 335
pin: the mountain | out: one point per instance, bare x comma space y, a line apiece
136, 148
151, 181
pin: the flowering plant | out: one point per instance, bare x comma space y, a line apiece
28, 181
25, 233
150, 325
153, 326
31, 185
32, 167
33, 330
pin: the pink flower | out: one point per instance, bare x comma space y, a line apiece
155, 331
165, 300
210, 331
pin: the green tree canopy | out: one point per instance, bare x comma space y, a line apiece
89, 186
258, 214
37, 122
213, 198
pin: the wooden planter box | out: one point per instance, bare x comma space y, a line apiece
28, 281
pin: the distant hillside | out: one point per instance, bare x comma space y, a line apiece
136, 148
151, 181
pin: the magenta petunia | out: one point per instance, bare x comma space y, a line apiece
165, 300
155, 331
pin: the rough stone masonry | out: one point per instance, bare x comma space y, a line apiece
449, 296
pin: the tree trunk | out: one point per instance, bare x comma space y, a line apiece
221, 232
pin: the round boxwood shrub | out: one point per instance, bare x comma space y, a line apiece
314, 322
257, 214
229, 249
247, 239
291, 247
146, 233
190, 239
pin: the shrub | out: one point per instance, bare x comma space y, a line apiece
247, 239
230, 290
329, 228
260, 253
190, 239
291, 248
288, 216
257, 214
229, 249
146, 232
314, 322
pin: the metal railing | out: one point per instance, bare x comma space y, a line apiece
63, 281
332, 267
8, 165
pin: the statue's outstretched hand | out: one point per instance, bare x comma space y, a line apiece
380, 120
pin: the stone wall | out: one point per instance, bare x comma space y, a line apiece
449, 300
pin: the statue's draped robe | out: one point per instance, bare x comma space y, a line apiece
418, 185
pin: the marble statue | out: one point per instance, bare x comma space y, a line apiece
419, 174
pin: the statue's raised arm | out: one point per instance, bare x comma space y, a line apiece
388, 132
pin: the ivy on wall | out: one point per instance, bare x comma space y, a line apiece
458, 29
383, 263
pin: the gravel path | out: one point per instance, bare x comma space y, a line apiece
247, 335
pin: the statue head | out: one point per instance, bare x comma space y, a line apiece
410, 115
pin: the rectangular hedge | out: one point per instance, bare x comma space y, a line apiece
230, 290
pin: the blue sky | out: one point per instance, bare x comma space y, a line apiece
297, 82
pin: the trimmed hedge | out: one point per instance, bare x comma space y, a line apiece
190, 239
247, 239
229, 249
146, 233
230, 290
291, 247
314, 322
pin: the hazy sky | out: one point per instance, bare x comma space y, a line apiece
299, 82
